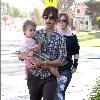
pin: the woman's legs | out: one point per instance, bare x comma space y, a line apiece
35, 88
61, 87
49, 88
39, 88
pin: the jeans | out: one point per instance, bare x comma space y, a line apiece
61, 88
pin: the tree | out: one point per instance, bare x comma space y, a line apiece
13, 12
93, 9
6, 9
37, 16
98, 21
65, 5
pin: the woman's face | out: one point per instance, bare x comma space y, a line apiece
62, 23
49, 21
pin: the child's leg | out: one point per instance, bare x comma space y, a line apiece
26, 72
55, 72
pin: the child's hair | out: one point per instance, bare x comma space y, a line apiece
28, 22
52, 10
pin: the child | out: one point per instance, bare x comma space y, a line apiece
29, 30
31, 48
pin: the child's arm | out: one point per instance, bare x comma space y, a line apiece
54, 71
23, 56
26, 73
35, 49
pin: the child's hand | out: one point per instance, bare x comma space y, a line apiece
26, 77
41, 39
36, 62
73, 70
35, 49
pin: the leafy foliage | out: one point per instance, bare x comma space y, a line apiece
11, 11
95, 94
65, 5
93, 9
98, 21
37, 16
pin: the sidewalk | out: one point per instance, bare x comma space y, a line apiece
85, 77
14, 87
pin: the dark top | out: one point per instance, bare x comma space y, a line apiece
72, 47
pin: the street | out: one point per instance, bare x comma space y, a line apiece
14, 86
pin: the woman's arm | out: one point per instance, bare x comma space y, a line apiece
47, 64
53, 63
62, 54
75, 64
76, 56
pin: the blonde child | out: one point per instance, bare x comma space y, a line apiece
29, 30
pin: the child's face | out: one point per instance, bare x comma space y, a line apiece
30, 31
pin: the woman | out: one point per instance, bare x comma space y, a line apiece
72, 48
41, 82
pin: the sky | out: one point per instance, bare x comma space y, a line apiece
25, 5
29, 5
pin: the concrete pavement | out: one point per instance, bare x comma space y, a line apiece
14, 87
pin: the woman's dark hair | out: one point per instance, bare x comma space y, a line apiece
65, 15
52, 10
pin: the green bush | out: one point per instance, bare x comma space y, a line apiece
95, 94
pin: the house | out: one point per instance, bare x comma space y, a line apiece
81, 21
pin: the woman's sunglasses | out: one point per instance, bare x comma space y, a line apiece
50, 17
63, 20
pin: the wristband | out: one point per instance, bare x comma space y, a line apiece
75, 63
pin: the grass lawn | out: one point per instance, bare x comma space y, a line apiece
89, 39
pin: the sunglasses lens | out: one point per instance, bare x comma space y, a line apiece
45, 17
64, 20
50, 17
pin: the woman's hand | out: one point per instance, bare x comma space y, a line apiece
36, 62
73, 70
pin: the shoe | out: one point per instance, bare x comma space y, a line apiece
61, 82
62, 79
